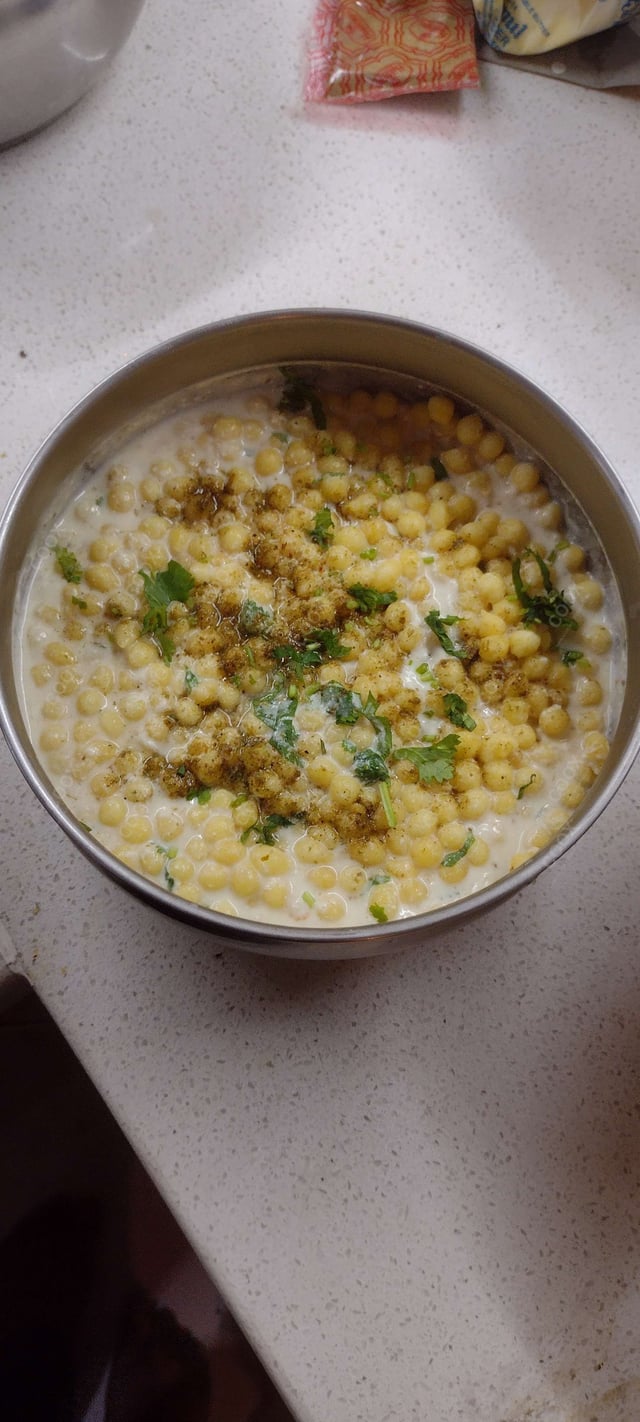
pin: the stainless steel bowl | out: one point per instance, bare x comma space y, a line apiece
51, 52
383, 350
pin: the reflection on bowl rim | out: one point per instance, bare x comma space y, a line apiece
257, 935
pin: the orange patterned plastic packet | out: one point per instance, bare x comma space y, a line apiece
380, 49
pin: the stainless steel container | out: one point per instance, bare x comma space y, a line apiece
384, 351
51, 52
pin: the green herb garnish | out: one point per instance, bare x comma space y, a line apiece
345, 705
264, 830
201, 793
457, 854
377, 912
239, 800
438, 625
433, 761
439, 469
369, 554
168, 854
424, 670
571, 655
369, 765
68, 564
297, 394
308, 898
323, 644
524, 787
80, 602
322, 531
559, 548
379, 879
277, 712
190, 679
369, 599
254, 620
174, 584
457, 711
549, 607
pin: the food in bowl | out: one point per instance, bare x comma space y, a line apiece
319, 655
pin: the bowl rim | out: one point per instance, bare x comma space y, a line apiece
255, 934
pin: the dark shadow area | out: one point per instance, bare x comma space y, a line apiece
105, 1313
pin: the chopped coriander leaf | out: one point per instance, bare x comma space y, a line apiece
327, 447
297, 393
458, 712
430, 559
190, 679
345, 705
379, 879
524, 787
68, 564
411, 479
457, 854
296, 659
349, 746
377, 912
433, 761
168, 878
80, 602
369, 554
424, 670
322, 530
251, 656
239, 800
439, 469
387, 804
168, 853
277, 712
201, 793
282, 436
549, 607
181, 771
264, 830
254, 620
559, 548
323, 644
571, 655
99, 501
308, 898
438, 625
174, 584
85, 826
369, 599
370, 767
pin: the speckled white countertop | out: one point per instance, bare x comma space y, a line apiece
417, 1179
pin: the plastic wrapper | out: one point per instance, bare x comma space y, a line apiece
519, 27
603, 61
380, 49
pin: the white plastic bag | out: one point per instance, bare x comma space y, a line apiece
522, 27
